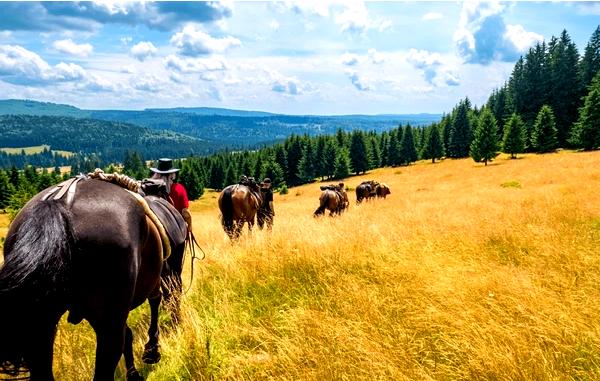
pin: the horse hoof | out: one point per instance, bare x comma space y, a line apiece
151, 355
134, 376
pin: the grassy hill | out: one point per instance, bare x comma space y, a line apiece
465, 272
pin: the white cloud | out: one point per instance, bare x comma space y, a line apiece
355, 18
126, 40
432, 67
194, 42
147, 82
358, 82
21, 66
274, 25
430, 16
482, 35
520, 38
142, 50
69, 47
376, 57
349, 59
195, 65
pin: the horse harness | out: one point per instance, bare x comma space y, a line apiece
169, 223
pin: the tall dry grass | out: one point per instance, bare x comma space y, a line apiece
465, 272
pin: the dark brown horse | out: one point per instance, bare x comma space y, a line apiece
238, 204
366, 190
97, 256
336, 201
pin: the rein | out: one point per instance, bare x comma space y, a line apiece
191, 244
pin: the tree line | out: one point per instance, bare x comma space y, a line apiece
551, 100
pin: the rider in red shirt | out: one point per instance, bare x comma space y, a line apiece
177, 193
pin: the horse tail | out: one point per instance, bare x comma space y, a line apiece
227, 210
33, 278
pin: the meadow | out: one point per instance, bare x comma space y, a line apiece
465, 272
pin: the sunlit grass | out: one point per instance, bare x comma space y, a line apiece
454, 276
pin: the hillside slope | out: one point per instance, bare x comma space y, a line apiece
465, 272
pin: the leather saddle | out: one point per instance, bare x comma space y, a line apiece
170, 218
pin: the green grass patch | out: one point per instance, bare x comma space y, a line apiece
511, 184
34, 150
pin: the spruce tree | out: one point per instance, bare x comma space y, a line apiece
342, 163
513, 141
485, 139
329, 156
189, 176
460, 134
543, 135
586, 133
565, 88
6, 189
434, 148
590, 62
359, 153
273, 170
375, 157
306, 165
408, 151
393, 149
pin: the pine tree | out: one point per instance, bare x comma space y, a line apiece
485, 139
408, 151
543, 135
586, 133
565, 88
217, 174
460, 134
433, 148
513, 141
329, 158
294, 149
189, 176
359, 153
6, 189
393, 149
375, 157
306, 165
590, 62
342, 163
281, 157
273, 170
231, 177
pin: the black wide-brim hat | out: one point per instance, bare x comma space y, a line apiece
165, 166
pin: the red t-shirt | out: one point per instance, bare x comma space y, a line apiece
179, 197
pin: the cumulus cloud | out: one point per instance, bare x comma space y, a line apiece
349, 59
285, 86
482, 35
23, 67
430, 16
62, 15
69, 47
432, 67
355, 18
358, 82
195, 65
274, 25
147, 82
143, 50
192, 41
376, 57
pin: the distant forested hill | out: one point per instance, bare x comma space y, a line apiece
107, 139
248, 131
225, 128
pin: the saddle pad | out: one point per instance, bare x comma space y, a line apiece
170, 218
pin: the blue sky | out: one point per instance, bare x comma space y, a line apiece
294, 57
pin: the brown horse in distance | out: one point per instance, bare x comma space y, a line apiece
382, 190
238, 204
336, 201
366, 190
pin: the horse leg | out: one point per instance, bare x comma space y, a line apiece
40, 362
132, 373
110, 341
151, 350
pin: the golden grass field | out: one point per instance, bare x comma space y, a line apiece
35, 149
465, 272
